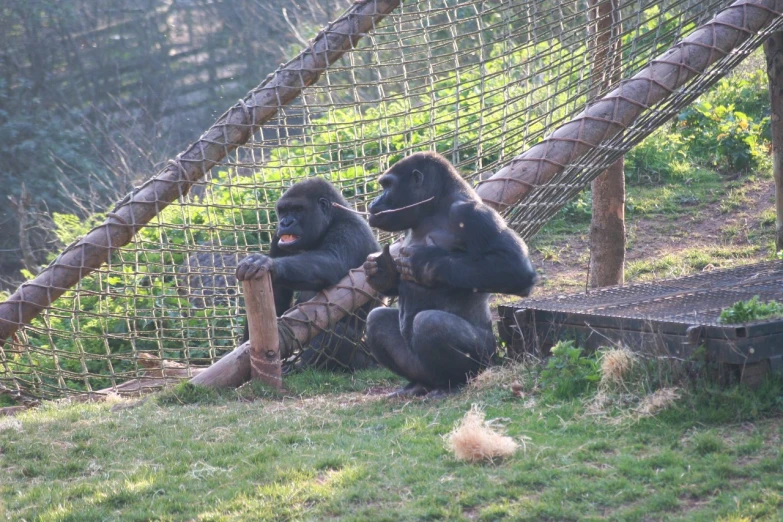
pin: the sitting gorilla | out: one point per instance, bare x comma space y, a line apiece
456, 251
314, 247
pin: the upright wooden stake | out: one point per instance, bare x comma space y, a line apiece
607, 227
262, 322
773, 49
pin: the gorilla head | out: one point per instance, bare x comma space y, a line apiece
419, 182
305, 213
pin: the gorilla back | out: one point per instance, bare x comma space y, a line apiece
455, 253
314, 247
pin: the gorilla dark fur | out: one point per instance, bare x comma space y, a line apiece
314, 247
456, 251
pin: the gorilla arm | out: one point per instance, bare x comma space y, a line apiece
311, 270
494, 259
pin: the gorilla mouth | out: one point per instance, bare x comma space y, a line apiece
287, 239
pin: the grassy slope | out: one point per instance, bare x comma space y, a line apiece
354, 455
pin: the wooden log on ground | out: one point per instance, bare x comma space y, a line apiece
230, 371
232, 129
265, 364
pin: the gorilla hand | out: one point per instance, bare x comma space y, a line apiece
381, 272
254, 266
415, 264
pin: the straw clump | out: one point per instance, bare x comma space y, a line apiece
474, 440
658, 401
616, 364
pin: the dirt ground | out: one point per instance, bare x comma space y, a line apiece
658, 236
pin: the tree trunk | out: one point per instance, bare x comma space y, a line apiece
773, 49
607, 227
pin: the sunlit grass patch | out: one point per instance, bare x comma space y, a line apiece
689, 261
329, 455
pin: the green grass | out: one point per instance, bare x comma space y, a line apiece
343, 454
691, 260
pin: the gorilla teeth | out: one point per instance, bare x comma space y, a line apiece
288, 238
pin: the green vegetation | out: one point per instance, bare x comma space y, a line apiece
751, 310
316, 454
567, 374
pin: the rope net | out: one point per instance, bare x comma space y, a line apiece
479, 82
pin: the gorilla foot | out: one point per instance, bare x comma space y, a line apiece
412, 389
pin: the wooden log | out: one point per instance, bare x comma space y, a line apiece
232, 129
265, 362
230, 371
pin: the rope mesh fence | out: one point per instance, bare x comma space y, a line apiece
479, 82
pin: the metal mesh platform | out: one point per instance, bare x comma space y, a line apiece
675, 316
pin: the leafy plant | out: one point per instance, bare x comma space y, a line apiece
751, 310
567, 373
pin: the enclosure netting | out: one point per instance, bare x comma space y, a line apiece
478, 81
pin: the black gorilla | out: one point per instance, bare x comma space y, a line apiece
456, 251
314, 247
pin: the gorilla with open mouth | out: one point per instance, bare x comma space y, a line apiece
314, 247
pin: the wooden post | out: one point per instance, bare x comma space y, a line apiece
607, 227
262, 323
773, 49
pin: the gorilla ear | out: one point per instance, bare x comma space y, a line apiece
324, 204
418, 177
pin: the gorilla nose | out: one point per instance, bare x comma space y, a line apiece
286, 222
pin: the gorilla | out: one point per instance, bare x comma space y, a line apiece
455, 253
314, 247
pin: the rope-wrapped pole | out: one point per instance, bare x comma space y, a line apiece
620, 108
232, 129
599, 122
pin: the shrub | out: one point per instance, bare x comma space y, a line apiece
751, 310
567, 374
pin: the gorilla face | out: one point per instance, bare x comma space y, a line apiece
302, 221
402, 186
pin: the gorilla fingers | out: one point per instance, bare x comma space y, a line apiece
254, 266
381, 272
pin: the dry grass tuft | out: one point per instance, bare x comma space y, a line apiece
493, 377
616, 363
658, 401
474, 440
